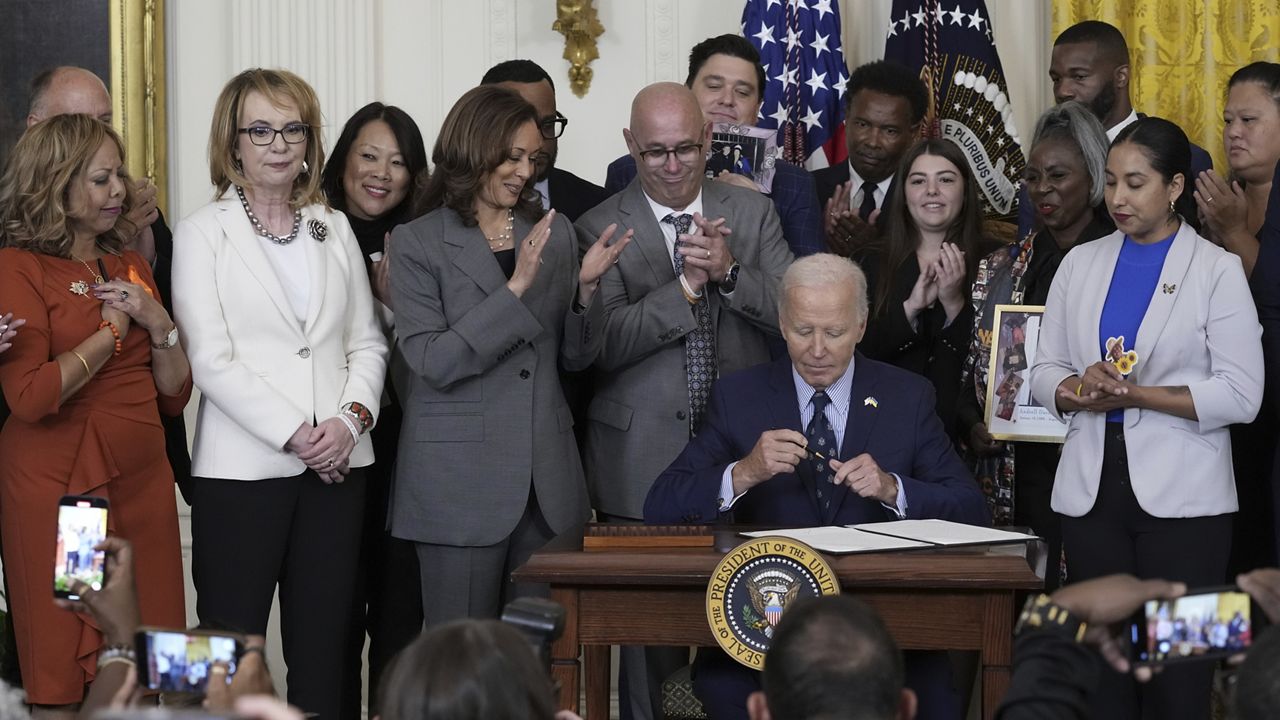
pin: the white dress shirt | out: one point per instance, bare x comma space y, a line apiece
1113, 132
855, 190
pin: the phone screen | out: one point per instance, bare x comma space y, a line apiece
179, 661
82, 524
1204, 625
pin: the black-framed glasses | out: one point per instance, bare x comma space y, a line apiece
686, 154
553, 127
293, 133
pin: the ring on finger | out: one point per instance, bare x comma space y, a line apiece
1208, 198
124, 294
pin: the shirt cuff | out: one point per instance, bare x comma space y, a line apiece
726, 498
901, 509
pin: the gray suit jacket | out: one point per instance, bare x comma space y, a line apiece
639, 416
485, 414
1200, 331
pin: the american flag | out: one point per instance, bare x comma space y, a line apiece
805, 75
951, 44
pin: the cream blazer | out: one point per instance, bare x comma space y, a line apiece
260, 373
1201, 331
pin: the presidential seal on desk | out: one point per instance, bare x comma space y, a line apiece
752, 587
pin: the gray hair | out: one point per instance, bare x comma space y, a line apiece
823, 269
1074, 122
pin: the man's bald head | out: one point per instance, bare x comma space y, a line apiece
68, 90
668, 139
665, 99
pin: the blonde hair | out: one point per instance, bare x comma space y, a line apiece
35, 187
279, 87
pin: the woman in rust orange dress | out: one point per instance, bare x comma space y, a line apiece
83, 379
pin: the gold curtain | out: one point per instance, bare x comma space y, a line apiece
1182, 52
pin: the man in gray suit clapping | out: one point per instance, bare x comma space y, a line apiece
695, 298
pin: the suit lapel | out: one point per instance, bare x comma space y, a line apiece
638, 216
317, 266
859, 423
472, 256
784, 410
244, 240
1165, 295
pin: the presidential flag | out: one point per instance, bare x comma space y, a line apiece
805, 75
951, 44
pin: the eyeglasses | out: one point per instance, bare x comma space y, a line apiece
686, 154
553, 127
292, 133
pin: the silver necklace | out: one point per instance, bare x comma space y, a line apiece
499, 242
262, 230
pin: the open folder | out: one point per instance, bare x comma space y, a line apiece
895, 535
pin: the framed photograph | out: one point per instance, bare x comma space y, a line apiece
1012, 414
120, 41
744, 150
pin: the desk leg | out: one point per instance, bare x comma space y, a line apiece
564, 651
997, 651
596, 671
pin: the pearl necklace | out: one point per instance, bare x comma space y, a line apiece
499, 242
261, 230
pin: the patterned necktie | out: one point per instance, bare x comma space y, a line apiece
700, 343
868, 200
821, 438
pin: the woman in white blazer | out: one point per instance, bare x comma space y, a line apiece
1145, 482
274, 302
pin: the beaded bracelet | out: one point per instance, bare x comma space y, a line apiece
361, 415
115, 333
116, 654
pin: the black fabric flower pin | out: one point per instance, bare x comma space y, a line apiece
318, 229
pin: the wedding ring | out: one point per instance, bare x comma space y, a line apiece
1208, 198
124, 294
708, 253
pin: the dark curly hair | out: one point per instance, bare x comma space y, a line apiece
889, 78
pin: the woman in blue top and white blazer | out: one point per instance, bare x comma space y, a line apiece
1145, 482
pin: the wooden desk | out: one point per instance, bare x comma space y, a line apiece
958, 599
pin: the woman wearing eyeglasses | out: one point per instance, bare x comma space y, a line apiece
274, 303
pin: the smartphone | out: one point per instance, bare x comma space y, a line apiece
180, 660
1207, 624
82, 524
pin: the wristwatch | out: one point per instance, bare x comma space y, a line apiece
730, 280
169, 340
1041, 613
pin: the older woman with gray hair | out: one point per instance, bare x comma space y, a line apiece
1065, 177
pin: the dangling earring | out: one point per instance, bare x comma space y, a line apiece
1172, 209
306, 168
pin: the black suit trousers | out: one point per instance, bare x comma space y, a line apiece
295, 532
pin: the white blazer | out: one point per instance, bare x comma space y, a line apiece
260, 373
1201, 331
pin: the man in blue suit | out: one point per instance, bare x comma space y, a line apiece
726, 77
884, 454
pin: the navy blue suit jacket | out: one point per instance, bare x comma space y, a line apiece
794, 197
901, 431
